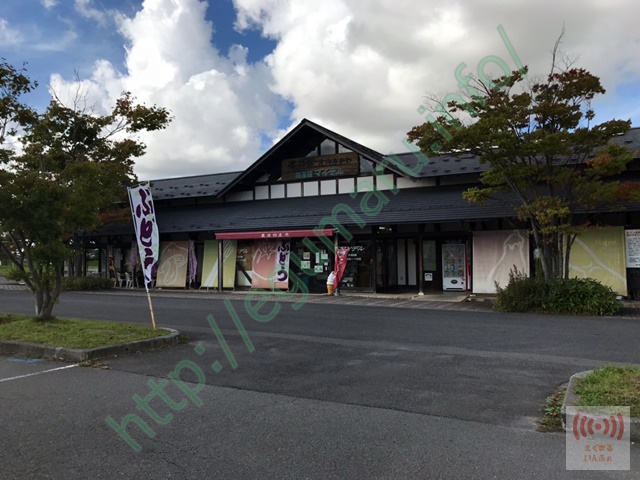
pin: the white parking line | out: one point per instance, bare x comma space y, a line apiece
37, 373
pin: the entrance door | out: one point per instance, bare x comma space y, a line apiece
386, 264
407, 263
431, 273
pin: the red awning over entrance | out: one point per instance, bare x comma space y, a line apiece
326, 232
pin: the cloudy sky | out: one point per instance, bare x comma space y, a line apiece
237, 74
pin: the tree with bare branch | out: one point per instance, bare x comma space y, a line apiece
70, 166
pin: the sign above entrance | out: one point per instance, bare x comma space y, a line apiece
324, 166
326, 232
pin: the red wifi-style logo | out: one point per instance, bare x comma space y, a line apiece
583, 425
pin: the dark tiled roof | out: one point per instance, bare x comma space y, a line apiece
441, 165
631, 139
190, 187
435, 166
416, 205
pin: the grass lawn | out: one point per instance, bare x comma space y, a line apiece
4, 269
552, 410
72, 333
611, 385
607, 386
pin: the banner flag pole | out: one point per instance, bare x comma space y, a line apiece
146, 229
153, 318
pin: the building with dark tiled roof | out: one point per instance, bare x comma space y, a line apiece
401, 218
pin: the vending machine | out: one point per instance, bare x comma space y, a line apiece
454, 267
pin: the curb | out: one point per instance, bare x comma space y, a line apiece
571, 398
34, 350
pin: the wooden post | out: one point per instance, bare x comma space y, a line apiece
153, 318
374, 239
220, 261
420, 265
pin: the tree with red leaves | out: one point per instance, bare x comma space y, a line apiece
541, 146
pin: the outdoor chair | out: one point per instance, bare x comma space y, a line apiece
128, 280
121, 279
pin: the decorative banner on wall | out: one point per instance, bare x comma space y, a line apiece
172, 271
271, 264
264, 253
210, 264
229, 252
244, 263
146, 228
495, 253
632, 248
598, 253
193, 262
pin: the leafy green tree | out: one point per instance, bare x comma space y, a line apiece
541, 145
59, 170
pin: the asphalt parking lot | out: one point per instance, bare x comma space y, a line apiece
329, 391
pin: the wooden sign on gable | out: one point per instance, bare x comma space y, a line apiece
322, 167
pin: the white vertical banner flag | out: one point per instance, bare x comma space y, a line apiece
144, 222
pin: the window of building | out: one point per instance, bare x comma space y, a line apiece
328, 147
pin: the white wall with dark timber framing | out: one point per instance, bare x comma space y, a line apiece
328, 187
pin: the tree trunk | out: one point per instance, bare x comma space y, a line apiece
46, 296
551, 250
567, 255
44, 303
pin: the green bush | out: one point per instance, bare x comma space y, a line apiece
70, 284
576, 296
11, 273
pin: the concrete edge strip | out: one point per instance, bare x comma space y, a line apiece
80, 355
571, 398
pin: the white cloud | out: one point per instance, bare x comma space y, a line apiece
220, 103
49, 3
360, 68
84, 8
9, 36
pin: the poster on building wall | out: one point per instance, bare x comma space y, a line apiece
244, 261
495, 254
632, 248
599, 253
230, 252
210, 264
271, 264
172, 270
